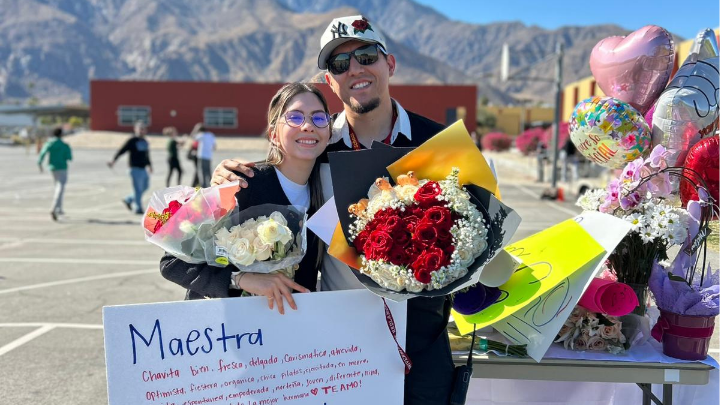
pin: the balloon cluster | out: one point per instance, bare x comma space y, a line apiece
642, 109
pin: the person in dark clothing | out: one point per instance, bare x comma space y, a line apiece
173, 160
298, 130
358, 70
139, 161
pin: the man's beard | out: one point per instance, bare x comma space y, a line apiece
363, 109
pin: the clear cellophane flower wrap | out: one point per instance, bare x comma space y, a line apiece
450, 151
181, 219
260, 239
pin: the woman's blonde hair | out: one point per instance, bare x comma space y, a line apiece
277, 108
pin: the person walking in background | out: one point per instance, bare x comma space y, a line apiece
139, 150
59, 154
192, 155
206, 147
173, 160
568, 156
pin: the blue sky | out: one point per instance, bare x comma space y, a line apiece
681, 17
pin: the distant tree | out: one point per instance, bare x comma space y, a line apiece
485, 119
484, 101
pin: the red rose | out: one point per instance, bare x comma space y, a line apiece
425, 234
382, 214
422, 276
448, 252
158, 225
414, 210
444, 238
173, 207
391, 224
430, 260
400, 237
360, 25
414, 250
380, 245
426, 195
440, 217
398, 256
360, 240
410, 223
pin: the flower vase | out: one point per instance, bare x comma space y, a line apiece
641, 291
685, 337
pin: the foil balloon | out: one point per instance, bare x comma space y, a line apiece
609, 132
703, 159
635, 68
688, 108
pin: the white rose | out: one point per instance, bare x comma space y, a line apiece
223, 238
271, 232
250, 223
248, 233
279, 218
406, 192
235, 232
466, 257
187, 227
262, 251
242, 252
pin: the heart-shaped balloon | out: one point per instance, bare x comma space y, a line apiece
609, 132
703, 159
635, 68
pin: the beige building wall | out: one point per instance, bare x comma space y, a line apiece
577, 91
511, 120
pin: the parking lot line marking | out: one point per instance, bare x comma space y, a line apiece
116, 242
79, 280
74, 261
54, 325
24, 339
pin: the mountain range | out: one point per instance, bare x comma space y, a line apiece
50, 49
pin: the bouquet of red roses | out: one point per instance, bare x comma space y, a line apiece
418, 235
430, 222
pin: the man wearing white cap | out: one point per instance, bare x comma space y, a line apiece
359, 68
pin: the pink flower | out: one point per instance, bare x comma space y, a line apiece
581, 343
632, 170
596, 343
657, 157
630, 201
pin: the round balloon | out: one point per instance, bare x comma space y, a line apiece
609, 132
703, 158
688, 108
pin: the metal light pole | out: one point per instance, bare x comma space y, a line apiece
558, 100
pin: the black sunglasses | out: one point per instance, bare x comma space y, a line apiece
366, 55
296, 119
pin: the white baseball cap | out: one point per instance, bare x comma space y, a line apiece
344, 29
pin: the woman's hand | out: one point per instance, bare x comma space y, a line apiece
274, 286
224, 172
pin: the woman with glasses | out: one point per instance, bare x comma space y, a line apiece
298, 131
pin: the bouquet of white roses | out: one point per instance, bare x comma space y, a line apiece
261, 242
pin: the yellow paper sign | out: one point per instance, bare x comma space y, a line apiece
548, 257
452, 147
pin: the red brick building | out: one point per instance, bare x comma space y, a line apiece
241, 108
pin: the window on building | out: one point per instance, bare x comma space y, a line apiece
129, 115
220, 117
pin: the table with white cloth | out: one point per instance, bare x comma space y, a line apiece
524, 381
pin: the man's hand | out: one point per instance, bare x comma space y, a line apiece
150, 169
224, 172
40, 167
273, 286
110, 164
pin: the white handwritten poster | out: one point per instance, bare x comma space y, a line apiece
335, 349
537, 323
